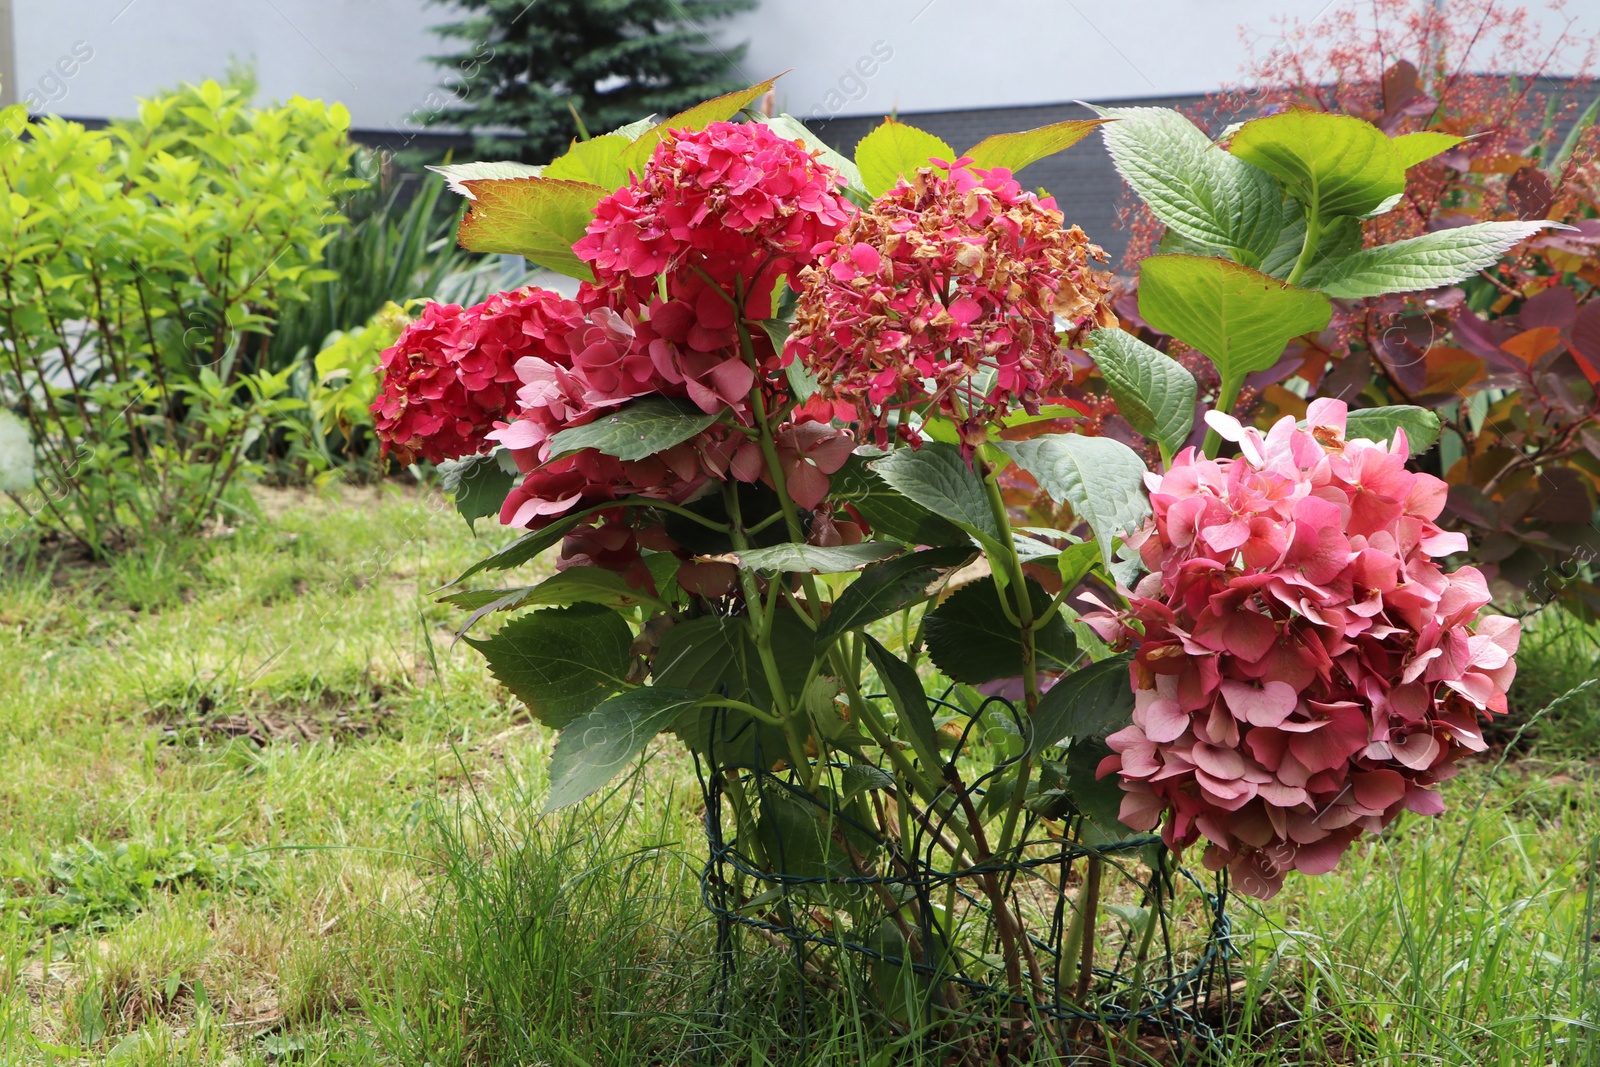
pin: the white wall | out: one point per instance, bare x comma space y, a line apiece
941, 54
956, 54
370, 54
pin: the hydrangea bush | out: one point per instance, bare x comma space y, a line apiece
768, 438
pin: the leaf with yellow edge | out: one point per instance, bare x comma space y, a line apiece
1016, 150
597, 161
717, 109
894, 150
1413, 148
540, 218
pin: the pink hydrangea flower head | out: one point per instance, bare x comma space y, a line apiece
947, 290
452, 373
1305, 669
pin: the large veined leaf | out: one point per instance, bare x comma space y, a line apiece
1016, 150
457, 175
1090, 702
717, 657
814, 559
970, 638
717, 109
527, 546
787, 125
1238, 317
1443, 257
594, 747
479, 485
561, 661
888, 512
540, 218
1379, 424
894, 150
1191, 185
936, 477
900, 681
712, 655
597, 161
1333, 164
576, 585
1102, 479
1152, 390
636, 430
890, 587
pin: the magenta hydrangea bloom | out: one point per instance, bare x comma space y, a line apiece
1305, 667
451, 375
718, 214
730, 197
947, 290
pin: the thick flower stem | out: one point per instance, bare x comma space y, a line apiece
763, 638
1023, 605
1089, 907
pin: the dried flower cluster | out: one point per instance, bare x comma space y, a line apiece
1305, 668
948, 287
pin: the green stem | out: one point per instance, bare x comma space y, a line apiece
1226, 396
1025, 631
763, 635
739, 705
1308, 248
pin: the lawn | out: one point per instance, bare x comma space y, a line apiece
257, 806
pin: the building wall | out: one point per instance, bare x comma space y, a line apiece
960, 68
92, 58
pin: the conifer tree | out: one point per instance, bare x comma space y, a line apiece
535, 74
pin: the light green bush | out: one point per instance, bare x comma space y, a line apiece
142, 272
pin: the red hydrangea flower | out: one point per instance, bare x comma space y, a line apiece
1306, 669
720, 214
948, 290
451, 374
712, 199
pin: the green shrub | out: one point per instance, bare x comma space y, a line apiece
143, 271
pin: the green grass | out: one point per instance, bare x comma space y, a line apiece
257, 808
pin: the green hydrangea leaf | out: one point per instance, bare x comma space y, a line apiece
1379, 424
1102, 479
1333, 164
894, 150
594, 747
597, 161
1016, 150
1240, 318
561, 661
540, 218
636, 430
1194, 187
1152, 390
1443, 257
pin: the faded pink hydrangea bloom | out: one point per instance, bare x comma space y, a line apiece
1306, 668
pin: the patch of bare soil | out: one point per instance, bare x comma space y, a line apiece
336, 717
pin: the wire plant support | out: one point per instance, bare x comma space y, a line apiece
866, 890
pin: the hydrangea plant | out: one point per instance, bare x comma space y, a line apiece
768, 436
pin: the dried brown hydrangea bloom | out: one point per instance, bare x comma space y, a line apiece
946, 292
